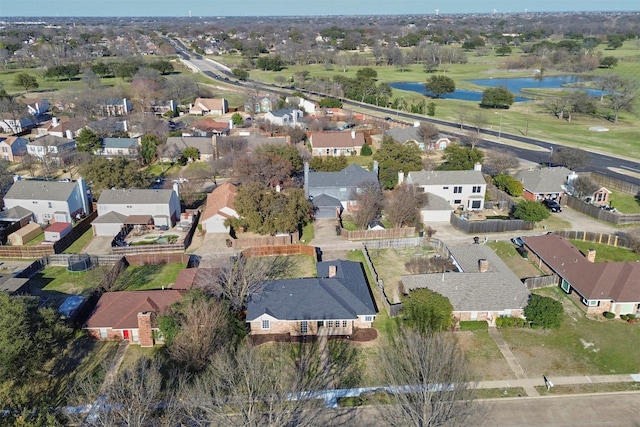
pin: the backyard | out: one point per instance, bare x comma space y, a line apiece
55, 284
606, 252
148, 276
519, 265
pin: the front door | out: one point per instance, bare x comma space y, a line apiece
125, 334
320, 324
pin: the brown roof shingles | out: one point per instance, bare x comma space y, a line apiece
617, 281
337, 139
222, 197
119, 310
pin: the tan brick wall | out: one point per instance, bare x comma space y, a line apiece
145, 333
112, 335
293, 328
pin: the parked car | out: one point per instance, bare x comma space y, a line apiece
517, 241
552, 205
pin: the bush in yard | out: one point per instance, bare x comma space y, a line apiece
427, 311
624, 317
509, 184
528, 210
609, 315
473, 325
543, 312
366, 150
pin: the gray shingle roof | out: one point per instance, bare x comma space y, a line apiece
119, 142
40, 190
437, 203
403, 135
344, 296
134, 196
15, 213
445, 177
110, 217
50, 141
326, 201
203, 144
494, 290
547, 180
352, 175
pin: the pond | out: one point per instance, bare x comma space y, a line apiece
514, 85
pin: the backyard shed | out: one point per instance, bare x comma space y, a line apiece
57, 231
25, 234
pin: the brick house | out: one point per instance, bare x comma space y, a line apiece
485, 288
206, 106
336, 302
13, 148
336, 143
599, 286
220, 207
546, 183
131, 316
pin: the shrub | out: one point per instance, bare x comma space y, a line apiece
529, 210
365, 150
624, 317
631, 316
473, 325
609, 315
509, 184
543, 312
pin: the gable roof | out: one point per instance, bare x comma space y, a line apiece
344, 296
470, 290
403, 135
119, 142
110, 217
208, 104
351, 176
426, 178
617, 281
119, 310
348, 139
40, 190
50, 141
134, 196
15, 213
204, 144
324, 200
223, 196
547, 180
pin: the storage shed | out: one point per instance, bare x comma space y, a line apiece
57, 231
25, 234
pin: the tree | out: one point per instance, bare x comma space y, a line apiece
608, 62
237, 119
125, 70
431, 109
370, 200
582, 186
148, 148
427, 311
529, 210
614, 41
402, 205
26, 81
330, 103
88, 141
440, 85
434, 386
393, 157
116, 173
165, 67
543, 312
266, 169
427, 131
623, 97
499, 161
456, 157
101, 69
509, 184
572, 158
366, 150
496, 97
191, 154
328, 164
240, 74
503, 50
633, 238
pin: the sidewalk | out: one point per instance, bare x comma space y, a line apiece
534, 382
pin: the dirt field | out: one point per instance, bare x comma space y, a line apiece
485, 360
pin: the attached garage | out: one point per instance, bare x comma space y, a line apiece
326, 207
109, 224
436, 210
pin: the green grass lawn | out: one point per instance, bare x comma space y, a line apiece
625, 203
56, 283
308, 233
520, 266
146, 277
81, 242
554, 222
606, 252
579, 347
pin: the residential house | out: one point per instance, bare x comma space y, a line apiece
50, 201
175, 145
112, 147
599, 286
220, 207
163, 107
263, 104
212, 127
546, 183
15, 125
36, 107
336, 143
51, 147
340, 186
484, 288
336, 302
305, 105
284, 117
116, 107
13, 148
410, 134
131, 316
207, 106
464, 189
63, 128
140, 206
601, 197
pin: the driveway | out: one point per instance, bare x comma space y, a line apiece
99, 245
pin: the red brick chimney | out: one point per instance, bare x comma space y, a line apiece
145, 333
591, 255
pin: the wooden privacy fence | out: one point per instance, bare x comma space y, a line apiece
247, 242
392, 308
588, 236
541, 281
489, 225
78, 230
281, 250
614, 184
391, 233
601, 214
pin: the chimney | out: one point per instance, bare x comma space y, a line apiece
306, 180
477, 166
353, 134
230, 124
591, 255
483, 265
400, 177
84, 192
145, 333
54, 121
69, 134
176, 189
375, 166
332, 270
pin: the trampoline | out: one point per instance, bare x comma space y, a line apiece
79, 263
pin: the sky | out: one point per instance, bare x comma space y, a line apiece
197, 8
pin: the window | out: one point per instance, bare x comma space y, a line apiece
565, 286
368, 318
476, 189
4, 150
103, 333
329, 323
304, 327
457, 189
445, 188
457, 201
35, 202
49, 205
475, 204
344, 323
266, 324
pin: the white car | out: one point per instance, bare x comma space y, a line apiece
181, 180
517, 241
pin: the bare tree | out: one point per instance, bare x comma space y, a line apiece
582, 186
370, 201
402, 205
623, 97
472, 138
500, 161
633, 238
430, 382
572, 158
426, 131
479, 120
